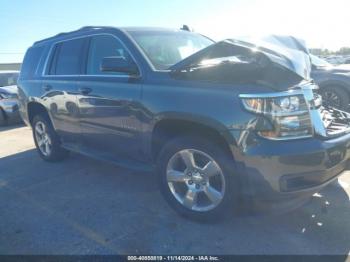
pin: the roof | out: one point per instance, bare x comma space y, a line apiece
134, 28
80, 30
96, 28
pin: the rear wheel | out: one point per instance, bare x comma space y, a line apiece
46, 139
196, 178
335, 96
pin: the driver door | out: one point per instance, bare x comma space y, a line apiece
110, 112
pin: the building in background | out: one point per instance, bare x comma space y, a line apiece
10, 66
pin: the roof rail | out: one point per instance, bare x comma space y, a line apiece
82, 29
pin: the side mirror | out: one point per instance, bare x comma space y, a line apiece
118, 64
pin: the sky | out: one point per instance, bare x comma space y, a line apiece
321, 23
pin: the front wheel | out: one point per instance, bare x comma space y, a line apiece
46, 140
196, 178
335, 96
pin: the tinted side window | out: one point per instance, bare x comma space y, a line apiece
31, 61
67, 57
104, 46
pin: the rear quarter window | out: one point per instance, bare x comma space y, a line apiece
31, 62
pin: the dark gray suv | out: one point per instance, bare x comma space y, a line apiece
222, 123
334, 83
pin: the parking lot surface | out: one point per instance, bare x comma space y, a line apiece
84, 206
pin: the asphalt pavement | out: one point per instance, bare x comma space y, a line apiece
85, 206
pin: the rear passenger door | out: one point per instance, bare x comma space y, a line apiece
60, 87
110, 112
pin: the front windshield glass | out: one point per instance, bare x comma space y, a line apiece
166, 48
8, 79
316, 61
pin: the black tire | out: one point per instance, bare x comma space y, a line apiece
342, 97
229, 201
3, 118
57, 153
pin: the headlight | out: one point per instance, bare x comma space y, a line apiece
289, 115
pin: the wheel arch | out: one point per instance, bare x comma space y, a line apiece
170, 127
34, 108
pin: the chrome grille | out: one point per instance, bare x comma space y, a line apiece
336, 122
327, 122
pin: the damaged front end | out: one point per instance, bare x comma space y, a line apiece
292, 109
335, 122
238, 62
296, 114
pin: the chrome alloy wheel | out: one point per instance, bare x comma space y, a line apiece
195, 180
42, 138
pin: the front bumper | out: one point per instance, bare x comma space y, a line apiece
288, 171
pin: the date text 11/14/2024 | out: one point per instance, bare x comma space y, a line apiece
173, 258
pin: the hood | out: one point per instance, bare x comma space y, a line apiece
9, 89
287, 52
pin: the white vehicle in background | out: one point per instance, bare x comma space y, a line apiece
9, 98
